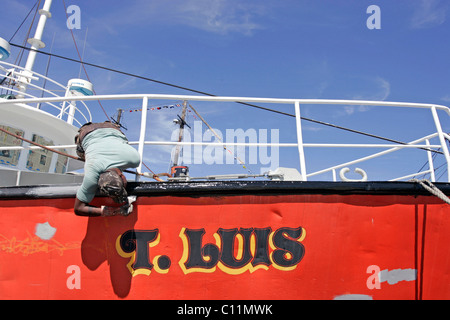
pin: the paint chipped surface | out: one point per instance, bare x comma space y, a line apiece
337, 250
45, 231
397, 275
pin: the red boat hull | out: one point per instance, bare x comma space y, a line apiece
250, 246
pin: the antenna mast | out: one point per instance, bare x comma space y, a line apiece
180, 135
36, 44
178, 171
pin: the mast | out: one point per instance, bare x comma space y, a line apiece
180, 135
119, 116
36, 44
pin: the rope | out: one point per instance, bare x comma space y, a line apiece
426, 184
39, 145
155, 176
218, 137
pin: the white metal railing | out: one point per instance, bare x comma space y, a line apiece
61, 111
423, 142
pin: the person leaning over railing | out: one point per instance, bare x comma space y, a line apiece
106, 152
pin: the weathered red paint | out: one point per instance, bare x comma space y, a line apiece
341, 236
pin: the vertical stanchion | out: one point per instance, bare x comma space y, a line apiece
301, 152
142, 135
442, 140
430, 162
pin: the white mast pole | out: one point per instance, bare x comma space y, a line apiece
36, 44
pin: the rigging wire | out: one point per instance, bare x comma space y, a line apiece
436, 169
47, 68
23, 47
20, 55
81, 59
29, 12
242, 163
426, 162
213, 95
21, 52
192, 90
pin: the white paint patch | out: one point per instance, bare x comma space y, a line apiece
52, 191
131, 199
45, 231
397, 275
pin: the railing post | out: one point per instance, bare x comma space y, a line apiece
430, 162
301, 152
442, 140
142, 135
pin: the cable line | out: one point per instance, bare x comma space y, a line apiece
12, 37
81, 61
213, 95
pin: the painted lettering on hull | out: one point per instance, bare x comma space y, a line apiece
235, 250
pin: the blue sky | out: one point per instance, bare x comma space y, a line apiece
319, 49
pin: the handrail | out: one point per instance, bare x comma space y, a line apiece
396, 148
25, 94
62, 112
391, 147
237, 99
